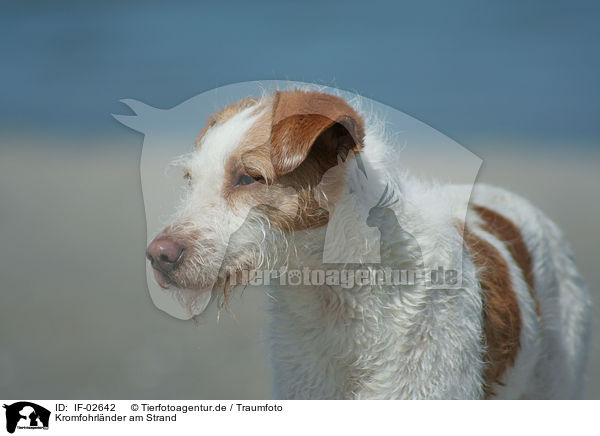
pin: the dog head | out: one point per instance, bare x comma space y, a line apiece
260, 172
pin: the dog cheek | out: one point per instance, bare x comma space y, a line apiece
200, 268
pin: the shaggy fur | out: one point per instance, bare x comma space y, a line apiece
291, 181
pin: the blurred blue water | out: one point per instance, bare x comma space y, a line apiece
524, 70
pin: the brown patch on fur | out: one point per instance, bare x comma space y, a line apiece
501, 313
507, 232
252, 156
291, 147
223, 115
300, 118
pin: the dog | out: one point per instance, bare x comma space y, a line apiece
275, 182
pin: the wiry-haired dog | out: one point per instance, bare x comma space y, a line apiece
270, 177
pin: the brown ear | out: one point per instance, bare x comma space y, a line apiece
303, 120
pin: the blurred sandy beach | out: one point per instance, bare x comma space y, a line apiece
76, 320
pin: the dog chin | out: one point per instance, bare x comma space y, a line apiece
193, 301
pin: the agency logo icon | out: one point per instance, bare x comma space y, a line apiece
26, 415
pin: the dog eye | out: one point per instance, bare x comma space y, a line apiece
245, 179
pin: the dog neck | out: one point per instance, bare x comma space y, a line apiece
332, 328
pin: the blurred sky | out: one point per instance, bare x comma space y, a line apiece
520, 70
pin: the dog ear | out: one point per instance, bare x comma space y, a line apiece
305, 122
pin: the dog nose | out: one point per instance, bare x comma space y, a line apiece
164, 253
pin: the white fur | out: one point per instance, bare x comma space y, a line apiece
330, 342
